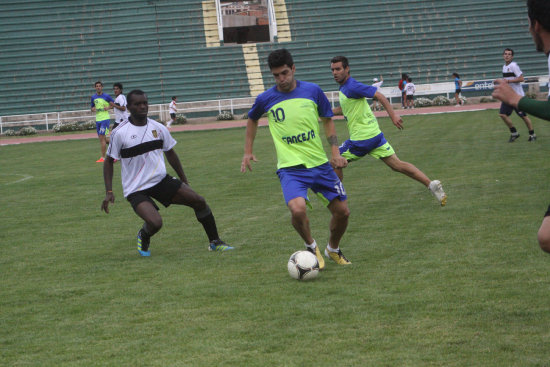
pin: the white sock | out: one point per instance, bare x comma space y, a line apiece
330, 249
312, 246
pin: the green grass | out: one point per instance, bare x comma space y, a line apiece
463, 285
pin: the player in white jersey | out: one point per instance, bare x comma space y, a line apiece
121, 113
139, 143
512, 74
173, 108
376, 106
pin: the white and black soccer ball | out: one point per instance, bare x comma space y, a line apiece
303, 265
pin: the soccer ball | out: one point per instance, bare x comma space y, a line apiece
303, 265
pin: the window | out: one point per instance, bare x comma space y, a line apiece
246, 21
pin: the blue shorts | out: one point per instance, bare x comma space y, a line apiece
378, 147
102, 127
506, 109
322, 180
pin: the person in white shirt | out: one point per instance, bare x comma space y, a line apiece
512, 74
173, 110
119, 106
410, 88
140, 144
376, 106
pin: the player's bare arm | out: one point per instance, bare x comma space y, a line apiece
395, 118
504, 92
175, 163
251, 129
336, 160
108, 179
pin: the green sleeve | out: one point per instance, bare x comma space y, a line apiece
536, 108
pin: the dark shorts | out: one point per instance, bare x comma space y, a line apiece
458, 90
506, 109
163, 192
547, 214
173, 115
410, 97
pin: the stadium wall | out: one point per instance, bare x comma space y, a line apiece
54, 51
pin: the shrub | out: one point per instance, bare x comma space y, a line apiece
422, 102
180, 119
487, 100
10, 132
463, 100
244, 116
88, 125
27, 130
531, 95
441, 101
225, 115
68, 126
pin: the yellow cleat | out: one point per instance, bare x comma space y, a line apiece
337, 257
318, 255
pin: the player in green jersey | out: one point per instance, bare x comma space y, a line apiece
294, 108
365, 134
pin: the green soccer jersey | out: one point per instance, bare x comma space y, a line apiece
101, 102
362, 123
294, 123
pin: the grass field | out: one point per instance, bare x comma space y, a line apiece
463, 285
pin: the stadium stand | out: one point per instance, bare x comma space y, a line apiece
54, 51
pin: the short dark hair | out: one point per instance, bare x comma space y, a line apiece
174, 97
279, 58
119, 85
456, 75
342, 59
98, 82
508, 49
539, 10
409, 79
404, 76
130, 96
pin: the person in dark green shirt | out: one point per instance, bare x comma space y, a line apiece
538, 12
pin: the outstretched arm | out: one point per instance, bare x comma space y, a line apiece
251, 129
336, 160
108, 178
175, 163
396, 119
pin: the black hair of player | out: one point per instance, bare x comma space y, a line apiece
118, 85
539, 10
342, 59
174, 98
508, 49
98, 82
456, 75
279, 58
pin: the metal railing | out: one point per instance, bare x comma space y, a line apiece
50, 119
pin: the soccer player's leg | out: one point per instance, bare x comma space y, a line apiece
294, 184
147, 210
185, 195
330, 190
504, 113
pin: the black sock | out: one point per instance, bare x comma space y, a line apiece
206, 218
531, 132
513, 130
145, 232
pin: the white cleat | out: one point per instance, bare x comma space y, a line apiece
436, 189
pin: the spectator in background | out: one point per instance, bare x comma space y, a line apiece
376, 106
173, 110
401, 86
512, 74
410, 89
100, 105
538, 12
119, 106
458, 88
